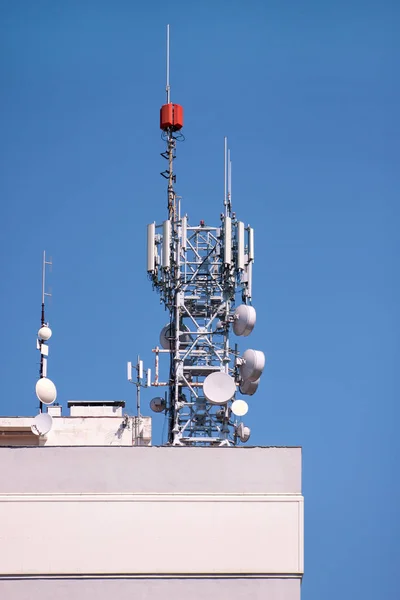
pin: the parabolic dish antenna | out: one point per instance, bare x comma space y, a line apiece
239, 408
157, 405
243, 432
42, 424
253, 366
248, 388
245, 319
166, 334
44, 333
46, 390
219, 388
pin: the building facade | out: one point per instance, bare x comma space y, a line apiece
149, 522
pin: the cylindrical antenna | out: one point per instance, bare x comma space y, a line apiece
167, 88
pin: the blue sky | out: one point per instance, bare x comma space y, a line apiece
308, 95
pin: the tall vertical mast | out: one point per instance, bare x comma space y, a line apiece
43, 356
198, 271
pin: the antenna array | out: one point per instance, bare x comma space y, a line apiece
45, 389
198, 272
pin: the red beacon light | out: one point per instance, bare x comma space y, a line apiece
171, 117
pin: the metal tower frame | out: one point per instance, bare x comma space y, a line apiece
198, 272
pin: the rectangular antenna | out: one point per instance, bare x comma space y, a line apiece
148, 377
151, 231
129, 371
140, 369
184, 232
251, 244
166, 257
228, 241
240, 245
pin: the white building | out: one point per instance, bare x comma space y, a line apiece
86, 514
90, 423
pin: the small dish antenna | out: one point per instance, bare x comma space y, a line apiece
244, 320
45, 333
158, 405
167, 333
46, 391
219, 388
239, 408
253, 365
248, 388
243, 432
42, 424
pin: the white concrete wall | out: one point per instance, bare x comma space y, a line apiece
79, 430
237, 588
153, 534
151, 522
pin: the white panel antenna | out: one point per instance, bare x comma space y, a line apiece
184, 233
251, 244
151, 247
240, 245
228, 241
166, 248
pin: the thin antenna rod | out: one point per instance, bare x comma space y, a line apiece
229, 182
225, 175
167, 88
43, 284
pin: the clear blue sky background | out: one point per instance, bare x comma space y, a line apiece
308, 94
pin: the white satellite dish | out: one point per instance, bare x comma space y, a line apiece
42, 424
219, 388
166, 334
239, 408
46, 390
243, 432
44, 333
158, 405
253, 365
244, 320
248, 388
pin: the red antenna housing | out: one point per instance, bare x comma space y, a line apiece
171, 117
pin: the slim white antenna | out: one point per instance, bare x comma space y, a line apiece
225, 174
229, 181
168, 88
44, 293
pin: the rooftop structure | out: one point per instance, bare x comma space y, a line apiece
90, 423
203, 274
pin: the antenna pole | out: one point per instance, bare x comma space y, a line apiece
43, 284
225, 175
42, 316
229, 182
167, 88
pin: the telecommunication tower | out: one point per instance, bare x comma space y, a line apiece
199, 271
46, 391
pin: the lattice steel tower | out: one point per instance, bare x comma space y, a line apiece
199, 270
